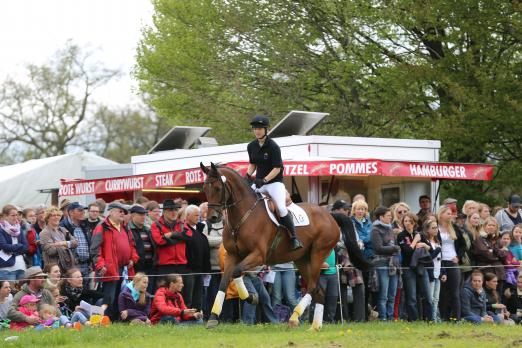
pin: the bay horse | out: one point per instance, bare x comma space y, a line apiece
249, 238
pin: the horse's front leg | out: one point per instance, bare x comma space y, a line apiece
230, 264
250, 261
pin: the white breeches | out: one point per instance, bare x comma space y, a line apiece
277, 192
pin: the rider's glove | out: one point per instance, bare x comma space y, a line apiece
259, 182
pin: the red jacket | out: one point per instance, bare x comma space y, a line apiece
167, 303
170, 251
104, 252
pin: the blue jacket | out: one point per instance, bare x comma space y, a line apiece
7, 246
364, 230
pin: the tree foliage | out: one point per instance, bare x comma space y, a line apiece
443, 69
51, 110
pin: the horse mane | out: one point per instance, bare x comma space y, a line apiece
235, 173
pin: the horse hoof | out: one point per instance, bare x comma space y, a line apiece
315, 328
212, 323
293, 323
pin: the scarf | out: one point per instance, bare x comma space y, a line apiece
379, 222
134, 293
73, 292
12, 230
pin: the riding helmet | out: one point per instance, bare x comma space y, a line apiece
260, 121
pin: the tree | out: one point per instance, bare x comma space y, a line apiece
412, 69
41, 116
120, 134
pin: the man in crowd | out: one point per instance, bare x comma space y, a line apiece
510, 216
39, 225
143, 241
170, 237
34, 286
112, 249
452, 204
214, 234
76, 225
425, 209
198, 257
93, 218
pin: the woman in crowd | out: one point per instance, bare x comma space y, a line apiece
54, 275
72, 288
34, 253
430, 234
385, 261
516, 242
154, 214
134, 300
470, 231
473, 225
488, 253
398, 210
5, 298
494, 308
13, 245
484, 212
57, 243
409, 240
359, 280
473, 298
168, 305
452, 249
511, 264
470, 207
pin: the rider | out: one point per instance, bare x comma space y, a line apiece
265, 158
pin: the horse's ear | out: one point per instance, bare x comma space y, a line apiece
214, 168
203, 168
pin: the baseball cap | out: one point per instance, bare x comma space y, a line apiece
449, 200
138, 209
28, 299
515, 201
75, 205
340, 204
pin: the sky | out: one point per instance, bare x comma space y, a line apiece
32, 30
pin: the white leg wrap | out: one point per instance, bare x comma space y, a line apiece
318, 316
300, 308
241, 288
218, 303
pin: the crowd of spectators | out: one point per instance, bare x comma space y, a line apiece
146, 263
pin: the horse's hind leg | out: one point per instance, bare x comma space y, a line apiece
230, 263
303, 267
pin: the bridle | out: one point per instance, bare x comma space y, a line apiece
225, 205
225, 191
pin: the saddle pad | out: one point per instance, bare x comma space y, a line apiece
298, 214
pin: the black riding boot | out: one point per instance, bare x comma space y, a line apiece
288, 222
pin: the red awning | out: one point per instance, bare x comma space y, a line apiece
364, 167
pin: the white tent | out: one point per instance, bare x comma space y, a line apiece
21, 184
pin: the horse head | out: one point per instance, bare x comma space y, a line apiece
223, 186
216, 192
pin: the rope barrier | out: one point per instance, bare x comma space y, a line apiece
338, 267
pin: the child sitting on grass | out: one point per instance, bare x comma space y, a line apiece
26, 306
49, 316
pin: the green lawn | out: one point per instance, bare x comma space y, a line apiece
350, 335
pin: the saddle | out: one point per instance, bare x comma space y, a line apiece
272, 206
299, 215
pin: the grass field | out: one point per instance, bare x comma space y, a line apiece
349, 335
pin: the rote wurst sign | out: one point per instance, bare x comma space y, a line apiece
364, 167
